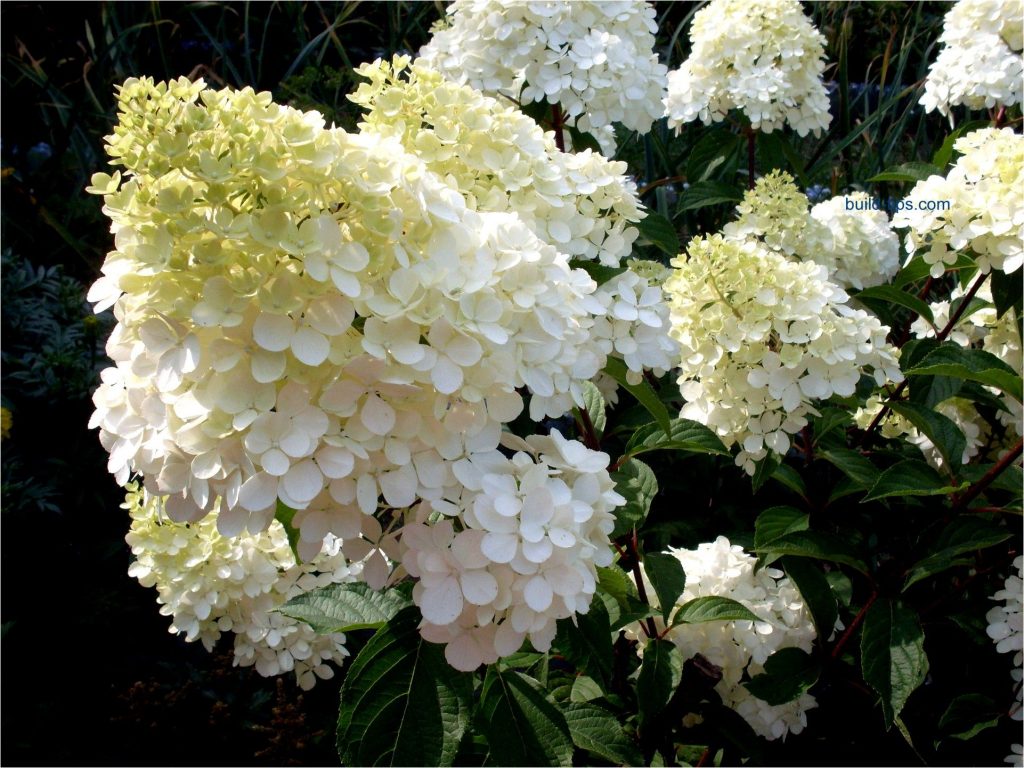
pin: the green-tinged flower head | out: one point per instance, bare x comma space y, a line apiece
762, 338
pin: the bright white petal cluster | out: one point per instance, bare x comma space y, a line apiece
985, 212
209, 585
858, 247
501, 160
740, 648
762, 338
635, 325
595, 59
855, 243
333, 321
980, 65
515, 551
762, 57
1006, 628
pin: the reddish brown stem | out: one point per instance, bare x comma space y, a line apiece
997, 469
751, 155
589, 433
659, 183
557, 123
853, 625
649, 629
941, 336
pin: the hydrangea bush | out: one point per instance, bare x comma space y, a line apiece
397, 402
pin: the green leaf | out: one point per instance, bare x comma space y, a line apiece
586, 641
1007, 292
908, 478
788, 673
597, 730
636, 482
918, 269
618, 592
841, 586
643, 392
775, 151
816, 592
660, 673
706, 193
401, 704
852, 464
682, 435
817, 545
599, 272
831, 419
584, 689
667, 577
944, 153
965, 533
285, 515
521, 726
660, 233
345, 607
790, 478
891, 295
710, 154
968, 715
951, 359
907, 172
892, 654
702, 609
763, 470
940, 429
594, 402
776, 522
582, 141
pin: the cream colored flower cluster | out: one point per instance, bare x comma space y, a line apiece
985, 211
501, 160
762, 338
209, 585
334, 321
855, 243
762, 57
1006, 628
980, 64
741, 648
581, 204
595, 59
516, 550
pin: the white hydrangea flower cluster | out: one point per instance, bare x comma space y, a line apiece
762, 57
583, 205
762, 338
857, 246
1006, 628
986, 211
980, 64
595, 59
635, 325
515, 551
210, 584
331, 322
741, 648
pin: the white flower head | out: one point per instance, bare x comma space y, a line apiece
595, 59
762, 57
980, 64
